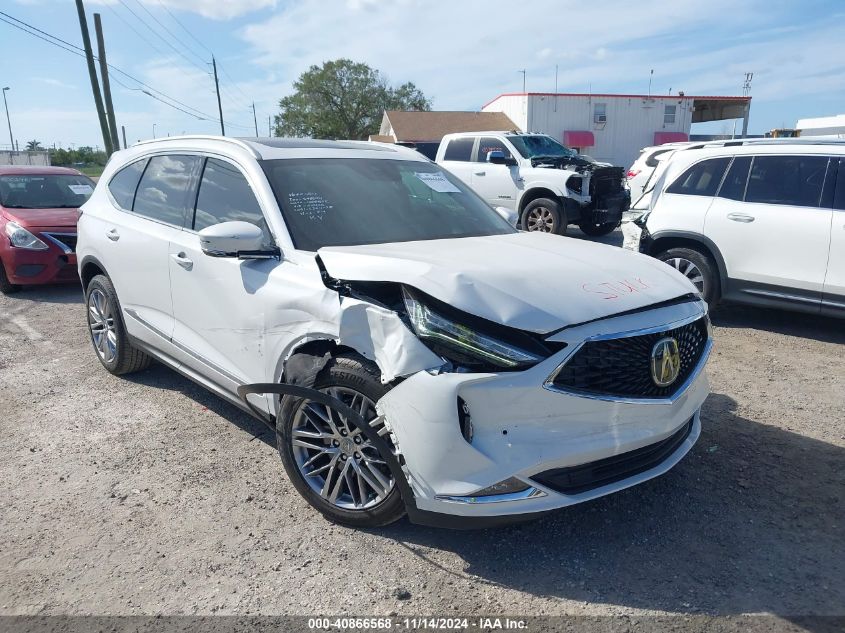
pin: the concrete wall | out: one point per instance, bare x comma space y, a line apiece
631, 121
24, 158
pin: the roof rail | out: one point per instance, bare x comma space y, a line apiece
203, 137
807, 140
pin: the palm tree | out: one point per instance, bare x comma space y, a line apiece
33, 146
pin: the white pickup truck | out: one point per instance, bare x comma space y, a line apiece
547, 184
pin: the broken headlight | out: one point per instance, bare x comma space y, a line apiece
468, 346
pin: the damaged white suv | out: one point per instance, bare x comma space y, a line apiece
391, 327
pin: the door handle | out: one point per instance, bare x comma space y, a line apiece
113, 235
740, 217
183, 261
480, 173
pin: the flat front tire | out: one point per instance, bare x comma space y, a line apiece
329, 462
698, 268
107, 331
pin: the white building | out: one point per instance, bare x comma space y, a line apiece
615, 127
823, 126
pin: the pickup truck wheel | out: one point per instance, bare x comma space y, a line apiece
596, 230
329, 462
545, 215
698, 268
5, 287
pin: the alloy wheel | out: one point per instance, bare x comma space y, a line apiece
101, 324
688, 270
336, 460
540, 219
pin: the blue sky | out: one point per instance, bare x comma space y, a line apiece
460, 53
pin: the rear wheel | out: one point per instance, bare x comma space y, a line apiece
698, 268
108, 333
6, 287
544, 215
596, 230
328, 460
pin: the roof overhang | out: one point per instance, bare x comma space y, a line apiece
578, 138
670, 137
719, 108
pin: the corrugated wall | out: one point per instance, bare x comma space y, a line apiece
631, 121
25, 158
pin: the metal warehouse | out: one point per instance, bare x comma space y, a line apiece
615, 127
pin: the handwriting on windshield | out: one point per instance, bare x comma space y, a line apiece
616, 289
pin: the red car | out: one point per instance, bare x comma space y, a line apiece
39, 207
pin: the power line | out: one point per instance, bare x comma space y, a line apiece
136, 31
184, 28
173, 35
161, 37
76, 50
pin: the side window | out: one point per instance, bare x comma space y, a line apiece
792, 180
834, 185
124, 183
225, 196
459, 149
487, 144
600, 113
702, 179
669, 112
839, 196
164, 190
733, 188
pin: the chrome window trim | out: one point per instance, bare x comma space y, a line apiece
64, 247
549, 385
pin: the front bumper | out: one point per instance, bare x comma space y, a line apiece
27, 267
525, 430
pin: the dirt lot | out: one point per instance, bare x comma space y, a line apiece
146, 494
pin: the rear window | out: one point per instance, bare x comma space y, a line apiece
45, 191
789, 180
702, 179
124, 183
459, 149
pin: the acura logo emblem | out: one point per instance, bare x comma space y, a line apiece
665, 362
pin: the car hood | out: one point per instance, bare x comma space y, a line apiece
41, 218
531, 281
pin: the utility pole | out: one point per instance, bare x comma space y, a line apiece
104, 76
8, 119
219, 105
254, 119
92, 73
269, 126
123, 129
523, 80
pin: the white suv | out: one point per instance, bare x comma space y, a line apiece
391, 327
760, 223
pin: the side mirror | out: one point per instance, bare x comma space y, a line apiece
508, 215
497, 157
231, 239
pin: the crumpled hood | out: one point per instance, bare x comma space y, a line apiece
531, 281
40, 218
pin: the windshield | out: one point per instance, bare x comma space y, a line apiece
540, 145
45, 191
352, 201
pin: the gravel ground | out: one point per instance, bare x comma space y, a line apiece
147, 494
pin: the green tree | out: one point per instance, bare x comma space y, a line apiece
33, 146
343, 99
